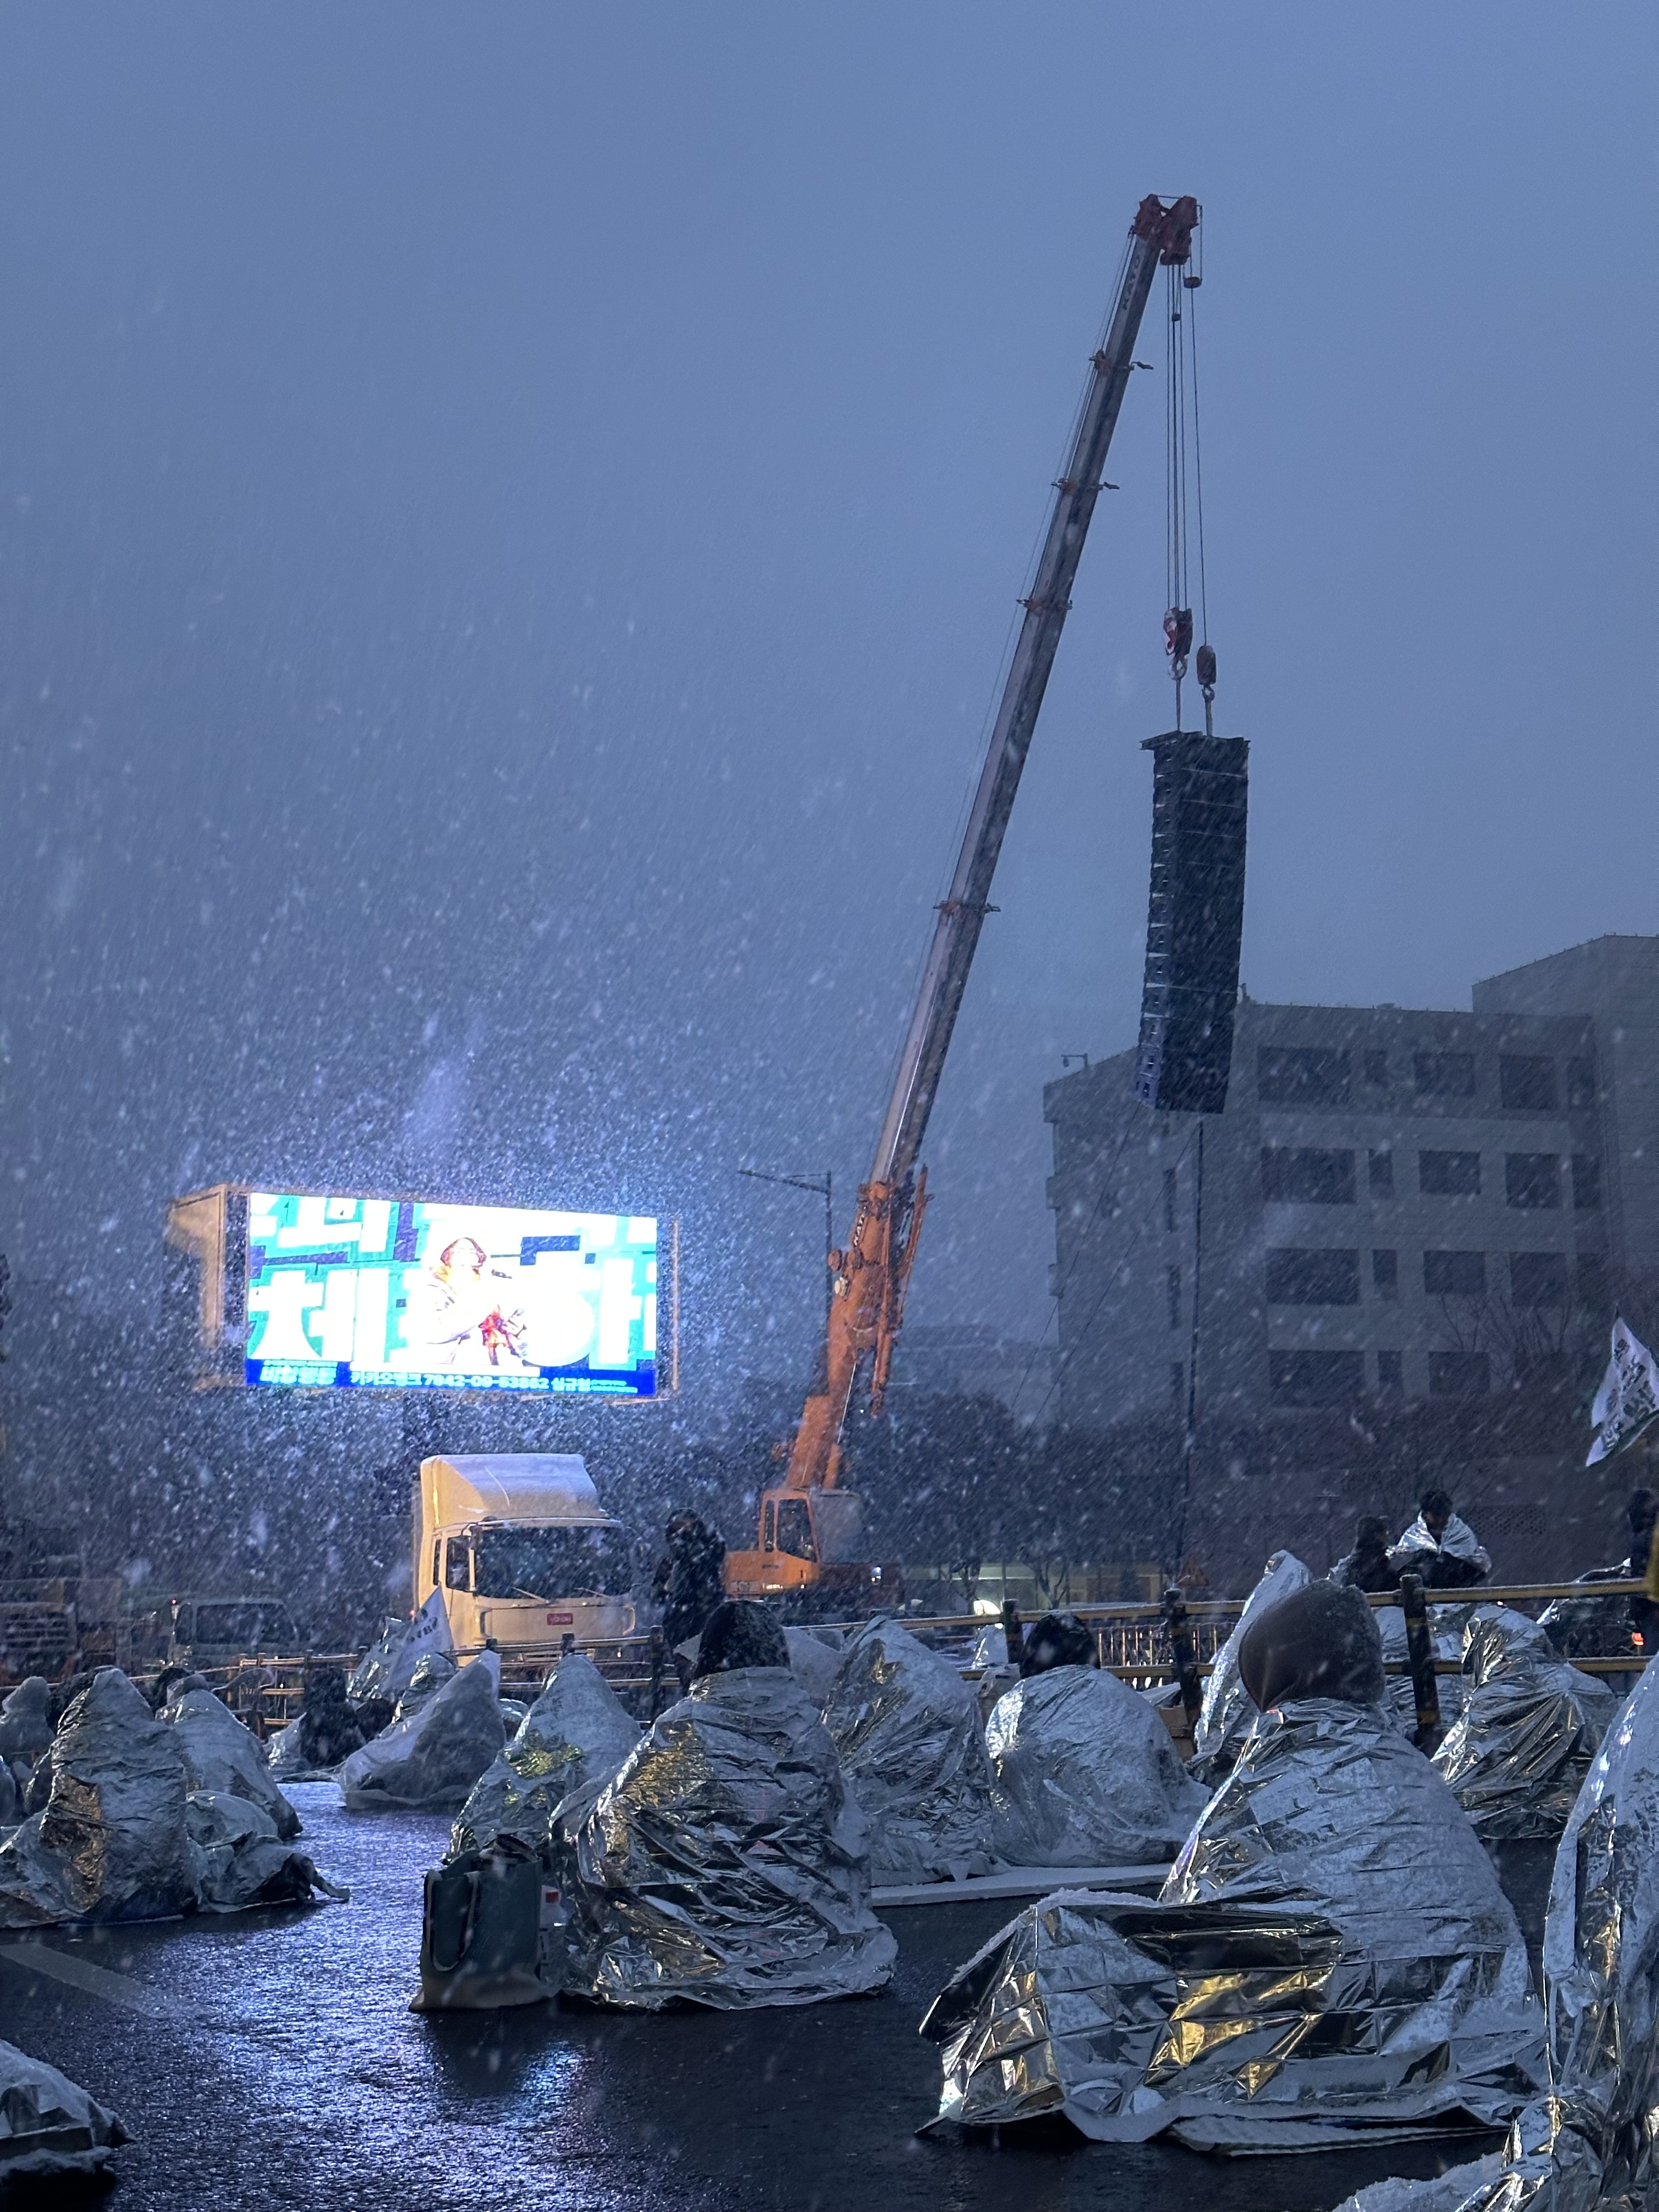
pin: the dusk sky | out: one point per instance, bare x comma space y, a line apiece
510, 519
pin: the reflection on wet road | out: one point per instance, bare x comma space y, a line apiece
270, 2060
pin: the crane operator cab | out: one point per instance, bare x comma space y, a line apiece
810, 1557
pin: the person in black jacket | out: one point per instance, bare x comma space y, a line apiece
690, 1581
1367, 1567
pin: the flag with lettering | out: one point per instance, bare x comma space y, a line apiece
1627, 1404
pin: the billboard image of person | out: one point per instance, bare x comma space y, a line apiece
414, 1293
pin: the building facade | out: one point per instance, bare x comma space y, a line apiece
1399, 1206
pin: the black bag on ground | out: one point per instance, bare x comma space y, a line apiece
482, 1936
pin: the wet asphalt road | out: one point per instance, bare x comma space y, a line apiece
269, 2060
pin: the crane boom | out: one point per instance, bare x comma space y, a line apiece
873, 1272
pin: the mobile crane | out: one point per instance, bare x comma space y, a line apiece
808, 1549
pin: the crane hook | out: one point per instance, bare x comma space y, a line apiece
1206, 685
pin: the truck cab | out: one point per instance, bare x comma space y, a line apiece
522, 1552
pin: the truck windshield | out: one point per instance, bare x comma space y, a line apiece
551, 1563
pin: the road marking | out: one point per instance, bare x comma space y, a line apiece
81, 1974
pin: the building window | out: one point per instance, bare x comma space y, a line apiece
1454, 1274
1376, 1068
1444, 1074
1593, 1281
1532, 1179
1581, 1083
1173, 1288
1315, 1378
1303, 1174
1449, 1175
1168, 1198
1385, 1275
1298, 1075
1177, 1387
1391, 1374
1586, 1180
1525, 1082
1459, 1374
1381, 1175
1538, 1279
1300, 1277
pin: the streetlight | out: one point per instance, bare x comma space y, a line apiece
825, 1188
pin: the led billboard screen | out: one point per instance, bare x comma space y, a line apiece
384, 1293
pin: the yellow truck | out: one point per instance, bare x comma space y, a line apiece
522, 1551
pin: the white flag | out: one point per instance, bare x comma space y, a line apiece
427, 1631
1627, 1403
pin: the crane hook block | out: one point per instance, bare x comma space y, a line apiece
1178, 634
1206, 664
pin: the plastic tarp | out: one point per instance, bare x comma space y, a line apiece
220, 1755
48, 2123
1331, 1959
428, 1761
906, 1728
1227, 1715
576, 1732
726, 1863
1588, 2141
1085, 1774
1517, 1757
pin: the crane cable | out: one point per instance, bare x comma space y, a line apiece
1180, 399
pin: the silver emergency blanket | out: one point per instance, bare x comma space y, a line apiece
1085, 1774
1589, 2142
726, 1864
815, 1660
1330, 1959
48, 2123
242, 1860
577, 1732
1518, 1755
11, 1808
1418, 1548
220, 1755
1446, 1627
431, 1671
428, 1760
111, 1843
907, 1730
25, 1726
1227, 1715
285, 1756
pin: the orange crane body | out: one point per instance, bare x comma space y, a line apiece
808, 1550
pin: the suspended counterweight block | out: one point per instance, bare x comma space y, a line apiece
1194, 920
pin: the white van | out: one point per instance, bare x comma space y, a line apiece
522, 1550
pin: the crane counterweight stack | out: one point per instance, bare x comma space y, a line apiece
809, 1527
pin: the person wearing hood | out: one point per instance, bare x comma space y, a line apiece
1084, 1772
724, 1864
1440, 1547
689, 1582
1330, 1955
1367, 1567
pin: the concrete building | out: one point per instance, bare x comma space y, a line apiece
1398, 1206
